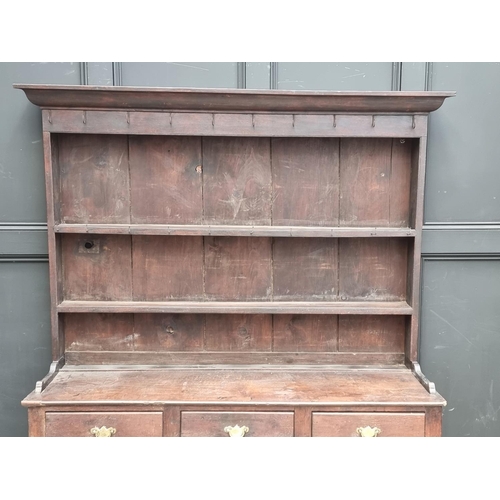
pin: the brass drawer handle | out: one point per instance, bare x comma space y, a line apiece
236, 431
368, 432
103, 432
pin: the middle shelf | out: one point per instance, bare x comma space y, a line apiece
97, 306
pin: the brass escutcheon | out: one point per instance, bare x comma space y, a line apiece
368, 432
236, 431
103, 432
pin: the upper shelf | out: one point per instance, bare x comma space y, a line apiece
230, 100
229, 230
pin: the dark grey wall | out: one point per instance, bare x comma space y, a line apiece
460, 332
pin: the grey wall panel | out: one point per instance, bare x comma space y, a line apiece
456, 239
24, 339
335, 76
16, 240
22, 191
258, 75
463, 178
180, 74
460, 342
413, 76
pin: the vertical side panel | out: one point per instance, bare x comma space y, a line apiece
237, 180
52, 183
238, 268
373, 268
399, 194
305, 269
167, 267
165, 180
169, 332
371, 333
305, 181
36, 422
305, 333
365, 171
94, 179
238, 332
97, 267
433, 419
302, 422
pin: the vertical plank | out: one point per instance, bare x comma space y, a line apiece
365, 168
169, 332
99, 332
433, 419
400, 181
172, 421
237, 180
371, 333
238, 268
305, 333
94, 179
36, 422
52, 186
373, 268
305, 269
302, 422
166, 267
165, 180
305, 181
238, 332
101, 272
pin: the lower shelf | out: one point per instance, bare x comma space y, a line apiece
310, 401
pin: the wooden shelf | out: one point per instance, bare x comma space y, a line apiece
385, 308
227, 230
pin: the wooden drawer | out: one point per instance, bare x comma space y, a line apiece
126, 424
259, 424
346, 424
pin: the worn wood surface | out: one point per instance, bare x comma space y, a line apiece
310, 333
390, 424
165, 180
238, 268
237, 181
348, 307
232, 230
97, 267
260, 424
433, 421
314, 386
305, 269
233, 358
305, 181
167, 268
127, 424
371, 333
373, 269
94, 179
36, 422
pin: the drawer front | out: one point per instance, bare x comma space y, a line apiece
219, 424
347, 424
126, 424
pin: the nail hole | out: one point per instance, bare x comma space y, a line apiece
88, 245
169, 330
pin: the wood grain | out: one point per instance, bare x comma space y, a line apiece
373, 269
167, 268
165, 180
400, 183
94, 179
390, 424
305, 181
79, 424
260, 424
365, 168
238, 268
238, 332
169, 332
101, 272
236, 181
309, 333
99, 332
371, 333
305, 269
